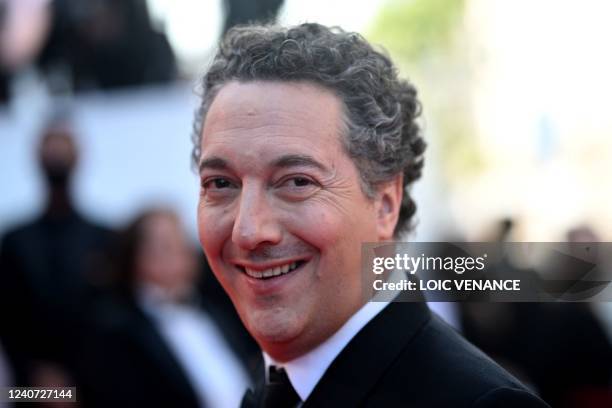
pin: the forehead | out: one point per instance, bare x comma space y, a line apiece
262, 119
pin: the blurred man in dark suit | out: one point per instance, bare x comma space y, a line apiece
307, 145
50, 268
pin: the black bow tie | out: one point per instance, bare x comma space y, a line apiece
276, 393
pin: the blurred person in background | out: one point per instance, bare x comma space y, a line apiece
161, 341
49, 270
105, 44
24, 26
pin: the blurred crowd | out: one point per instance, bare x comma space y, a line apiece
561, 350
121, 313
80, 45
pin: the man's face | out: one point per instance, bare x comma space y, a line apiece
281, 214
57, 155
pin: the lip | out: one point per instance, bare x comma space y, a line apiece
269, 265
268, 286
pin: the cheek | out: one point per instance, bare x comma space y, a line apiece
328, 229
213, 234
339, 238
316, 226
331, 235
213, 228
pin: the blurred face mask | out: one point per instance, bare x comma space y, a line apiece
57, 158
57, 174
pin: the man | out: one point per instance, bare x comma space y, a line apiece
307, 144
50, 269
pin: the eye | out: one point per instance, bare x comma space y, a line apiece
296, 182
297, 187
300, 182
217, 184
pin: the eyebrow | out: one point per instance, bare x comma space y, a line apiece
215, 163
295, 160
286, 161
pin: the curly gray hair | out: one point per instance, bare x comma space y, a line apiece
382, 136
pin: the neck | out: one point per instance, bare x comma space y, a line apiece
59, 203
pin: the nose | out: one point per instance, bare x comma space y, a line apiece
256, 221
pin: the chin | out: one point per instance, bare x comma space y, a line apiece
274, 325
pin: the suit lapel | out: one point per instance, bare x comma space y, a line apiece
355, 371
143, 333
253, 396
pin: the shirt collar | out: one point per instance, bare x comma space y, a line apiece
305, 371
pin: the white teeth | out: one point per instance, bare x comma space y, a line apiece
254, 274
276, 271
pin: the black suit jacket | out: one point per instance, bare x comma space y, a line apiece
407, 357
126, 362
49, 269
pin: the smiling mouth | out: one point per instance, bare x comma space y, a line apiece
272, 272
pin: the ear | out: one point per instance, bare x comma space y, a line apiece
388, 203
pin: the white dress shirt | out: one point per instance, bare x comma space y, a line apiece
305, 371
